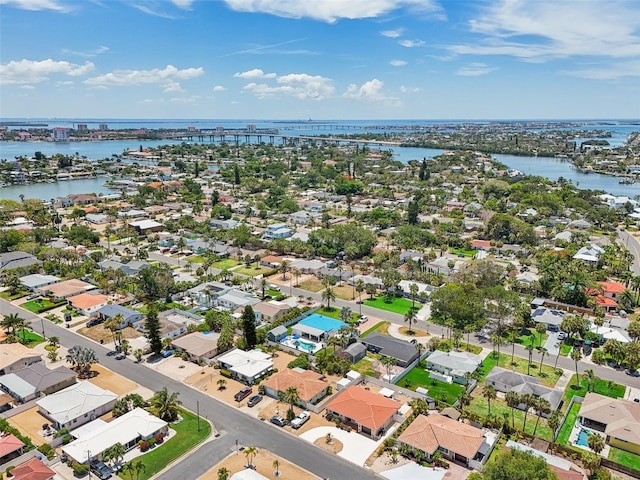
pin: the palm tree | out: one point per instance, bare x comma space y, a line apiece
283, 269
165, 405
125, 346
222, 384
554, 423
360, 287
413, 290
541, 329
513, 400
138, 353
81, 358
297, 274
464, 400
276, 465
134, 469
112, 323
250, 453
595, 442
263, 286
543, 352
292, 397
329, 295
388, 362
114, 453
54, 342
576, 356
224, 473
489, 392
542, 407
496, 340
591, 378
527, 399
530, 349
345, 314
410, 317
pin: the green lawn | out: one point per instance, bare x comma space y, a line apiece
335, 313
419, 377
603, 387
485, 367
567, 426
253, 271
7, 295
30, 338
480, 407
565, 349
195, 259
625, 458
40, 305
532, 338
187, 437
549, 375
365, 367
225, 263
462, 251
380, 327
447, 346
398, 305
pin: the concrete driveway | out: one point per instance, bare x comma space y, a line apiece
356, 448
552, 344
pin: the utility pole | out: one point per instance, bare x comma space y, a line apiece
198, 413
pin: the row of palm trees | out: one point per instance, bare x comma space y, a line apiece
250, 452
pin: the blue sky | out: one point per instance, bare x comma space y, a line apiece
320, 59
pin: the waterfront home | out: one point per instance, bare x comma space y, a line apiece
617, 418
76, 405
368, 413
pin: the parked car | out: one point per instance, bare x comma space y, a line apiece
300, 419
363, 319
253, 401
100, 469
94, 321
242, 394
278, 420
562, 336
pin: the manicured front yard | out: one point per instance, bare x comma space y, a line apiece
419, 377
31, 339
531, 337
254, 271
548, 376
479, 406
40, 305
399, 305
625, 458
225, 263
603, 387
187, 437
335, 313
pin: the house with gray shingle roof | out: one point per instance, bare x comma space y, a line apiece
454, 364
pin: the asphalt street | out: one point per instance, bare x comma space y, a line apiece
230, 423
633, 246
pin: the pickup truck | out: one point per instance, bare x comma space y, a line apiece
300, 419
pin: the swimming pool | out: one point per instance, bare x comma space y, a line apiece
326, 324
583, 436
307, 346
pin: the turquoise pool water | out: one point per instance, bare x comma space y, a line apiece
309, 347
326, 324
583, 435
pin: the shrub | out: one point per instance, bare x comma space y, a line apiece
60, 433
152, 442
80, 469
144, 445
47, 450
9, 474
66, 439
159, 438
290, 415
225, 373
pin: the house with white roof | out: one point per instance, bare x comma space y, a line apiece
38, 280
454, 364
590, 254
246, 367
76, 405
128, 430
234, 299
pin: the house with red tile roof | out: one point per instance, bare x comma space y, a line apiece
480, 244
369, 413
87, 303
455, 440
10, 447
33, 469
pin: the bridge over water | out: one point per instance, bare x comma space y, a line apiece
270, 136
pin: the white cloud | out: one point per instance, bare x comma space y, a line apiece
412, 43
405, 89
329, 10
398, 63
297, 85
64, 83
392, 33
155, 12
475, 69
167, 77
255, 73
369, 91
24, 72
611, 72
539, 31
183, 4
219, 88
89, 54
27, 87
36, 5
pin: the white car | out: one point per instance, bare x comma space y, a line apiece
300, 419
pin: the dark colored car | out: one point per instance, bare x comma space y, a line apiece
99, 469
253, 401
277, 420
242, 394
